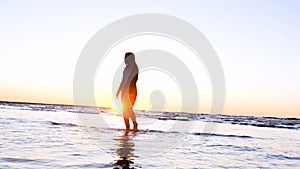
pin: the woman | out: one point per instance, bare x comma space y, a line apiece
128, 90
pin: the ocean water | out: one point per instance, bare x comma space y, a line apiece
56, 136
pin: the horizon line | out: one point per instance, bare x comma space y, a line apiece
77, 105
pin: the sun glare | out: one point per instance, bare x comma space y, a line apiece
117, 106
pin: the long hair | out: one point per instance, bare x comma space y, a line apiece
130, 57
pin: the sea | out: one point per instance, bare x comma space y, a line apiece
42, 136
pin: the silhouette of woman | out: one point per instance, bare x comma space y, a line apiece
129, 90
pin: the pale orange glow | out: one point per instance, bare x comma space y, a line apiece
253, 100
275, 107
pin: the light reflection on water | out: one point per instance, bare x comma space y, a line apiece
125, 150
38, 139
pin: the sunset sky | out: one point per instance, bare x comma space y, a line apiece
257, 43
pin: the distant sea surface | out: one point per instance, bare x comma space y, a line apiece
59, 136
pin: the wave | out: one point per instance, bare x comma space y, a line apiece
283, 157
62, 124
21, 160
236, 147
222, 135
144, 131
272, 122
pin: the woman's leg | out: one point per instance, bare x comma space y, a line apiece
135, 126
127, 124
132, 115
126, 112
129, 114
133, 119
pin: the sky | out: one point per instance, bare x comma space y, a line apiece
257, 43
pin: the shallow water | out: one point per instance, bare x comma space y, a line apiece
53, 136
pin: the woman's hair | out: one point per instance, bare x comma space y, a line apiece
129, 58
128, 54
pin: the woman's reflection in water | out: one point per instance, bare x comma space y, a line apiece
124, 148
